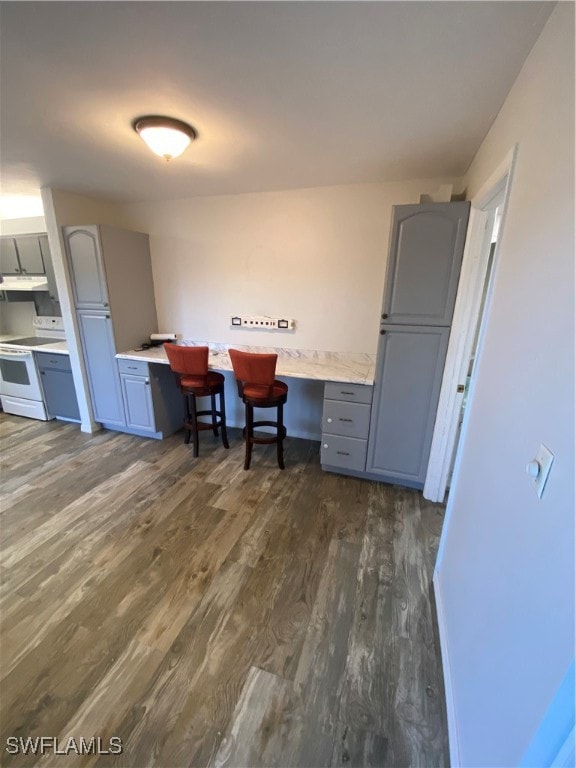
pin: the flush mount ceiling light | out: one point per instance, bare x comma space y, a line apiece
165, 136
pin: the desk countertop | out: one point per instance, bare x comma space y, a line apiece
345, 367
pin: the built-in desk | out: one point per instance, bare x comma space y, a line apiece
330, 395
344, 367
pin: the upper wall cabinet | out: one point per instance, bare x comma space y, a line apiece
86, 267
426, 244
21, 255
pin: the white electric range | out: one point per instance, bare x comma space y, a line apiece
20, 388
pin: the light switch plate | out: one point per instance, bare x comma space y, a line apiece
544, 457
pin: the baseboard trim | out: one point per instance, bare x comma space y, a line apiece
453, 740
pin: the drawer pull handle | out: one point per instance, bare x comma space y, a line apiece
325, 445
132, 367
343, 453
329, 421
343, 392
343, 419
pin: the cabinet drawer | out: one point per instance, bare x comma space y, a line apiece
135, 367
56, 362
346, 419
355, 393
344, 452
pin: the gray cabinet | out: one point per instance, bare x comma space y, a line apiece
152, 401
138, 402
111, 275
409, 377
99, 351
345, 425
58, 386
426, 249
86, 267
21, 255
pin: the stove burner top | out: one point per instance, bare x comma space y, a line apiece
31, 341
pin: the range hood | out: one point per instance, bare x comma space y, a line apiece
23, 283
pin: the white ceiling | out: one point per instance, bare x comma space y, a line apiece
282, 94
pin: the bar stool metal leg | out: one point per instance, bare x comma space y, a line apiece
280, 436
249, 434
194, 424
213, 404
223, 419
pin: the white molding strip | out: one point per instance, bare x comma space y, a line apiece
453, 736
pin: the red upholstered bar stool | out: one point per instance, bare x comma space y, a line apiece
254, 373
190, 364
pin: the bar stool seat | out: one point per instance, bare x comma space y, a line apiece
254, 373
190, 366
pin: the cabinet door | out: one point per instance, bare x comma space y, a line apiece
101, 365
59, 393
86, 267
138, 402
408, 378
9, 264
30, 255
426, 248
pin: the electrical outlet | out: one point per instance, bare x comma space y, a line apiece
261, 323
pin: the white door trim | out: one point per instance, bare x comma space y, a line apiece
468, 300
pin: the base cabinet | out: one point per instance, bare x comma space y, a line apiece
152, 402
345, 427
58, 386
405, 401
99, 355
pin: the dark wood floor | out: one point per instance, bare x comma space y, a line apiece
209, 616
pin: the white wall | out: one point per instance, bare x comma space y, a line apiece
26, 226
506, 571
317, 255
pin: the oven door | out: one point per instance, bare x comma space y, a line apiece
18, 374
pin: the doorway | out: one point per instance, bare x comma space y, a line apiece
487, 216
494, 224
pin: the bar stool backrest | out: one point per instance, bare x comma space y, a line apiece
253, 368
192, 361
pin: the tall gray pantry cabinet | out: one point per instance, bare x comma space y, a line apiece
113, 291
426, 249
425, 256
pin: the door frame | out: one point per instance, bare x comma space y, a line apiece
464, 322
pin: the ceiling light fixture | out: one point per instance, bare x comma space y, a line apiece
165, 136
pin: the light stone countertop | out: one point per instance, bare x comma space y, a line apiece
344, 367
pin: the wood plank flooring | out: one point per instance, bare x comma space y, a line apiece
209, 616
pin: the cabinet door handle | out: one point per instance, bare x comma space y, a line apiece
107, 317
384, 316
382, 332
147, 383
343, 419
106, 304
